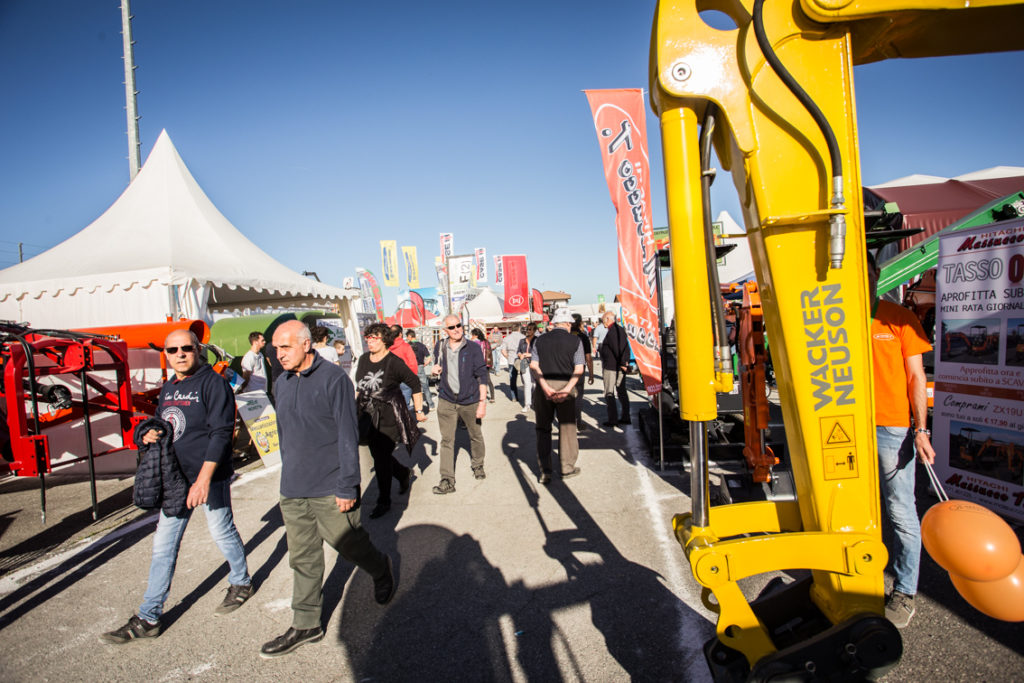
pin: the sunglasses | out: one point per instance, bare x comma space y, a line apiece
171, 350
372, 336
455, 327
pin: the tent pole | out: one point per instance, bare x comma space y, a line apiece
130, 94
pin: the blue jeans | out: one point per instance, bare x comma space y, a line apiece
407, 393
428, 401
167, 540
896, 468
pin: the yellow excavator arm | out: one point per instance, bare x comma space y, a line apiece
774, 97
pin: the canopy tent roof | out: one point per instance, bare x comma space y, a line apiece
163, 230
485, 308
932, 203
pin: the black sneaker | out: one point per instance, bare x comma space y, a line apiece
899, 608
625, 421
379, 510
236, 597
545, 478
292, 639
478, 472
445, 486
135, 629
384, 588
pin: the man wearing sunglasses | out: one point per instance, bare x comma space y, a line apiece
461, 394
199, 407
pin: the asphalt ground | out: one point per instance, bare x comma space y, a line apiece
504, 580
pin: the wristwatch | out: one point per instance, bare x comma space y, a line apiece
922, 430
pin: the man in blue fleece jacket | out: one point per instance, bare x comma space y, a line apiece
199, 406
320, 493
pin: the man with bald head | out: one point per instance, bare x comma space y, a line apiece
199, 408
320, 484
461, 394
614, 364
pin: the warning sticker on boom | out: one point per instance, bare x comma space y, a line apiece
838, 450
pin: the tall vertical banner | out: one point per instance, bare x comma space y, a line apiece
481, 264
537, 302
622, 135
419, 305
412, 267
517, 285
389, 262
499, 275
978, 420
447, 245
460, 279
371, 292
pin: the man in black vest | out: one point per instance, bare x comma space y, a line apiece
614, 364
557, 365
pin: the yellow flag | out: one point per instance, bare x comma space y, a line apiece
412, 268
389, 262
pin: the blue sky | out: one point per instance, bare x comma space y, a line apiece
320, 128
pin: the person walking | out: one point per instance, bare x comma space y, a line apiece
525, 355
197, 408
494, 341
485, 348
614, 364
254, 365
557, 366
588, 358
422, 354
320, 483
384, 419
462, 394
510, 352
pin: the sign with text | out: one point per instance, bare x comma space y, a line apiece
389, 262
460, 279
622, 135
517, 285
412, 267
978, 420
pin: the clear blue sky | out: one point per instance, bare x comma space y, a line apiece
320, 127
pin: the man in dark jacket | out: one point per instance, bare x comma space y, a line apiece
557, 363
320, 487
199, 405
461, 394
614, 364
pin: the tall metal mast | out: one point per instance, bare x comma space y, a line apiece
131, 106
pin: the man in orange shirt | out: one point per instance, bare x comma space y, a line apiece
401, 348
901, 419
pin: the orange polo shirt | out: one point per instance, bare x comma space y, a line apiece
896, 334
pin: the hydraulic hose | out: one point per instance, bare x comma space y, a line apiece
723, 359
837, 221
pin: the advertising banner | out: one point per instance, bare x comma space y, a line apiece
419, 305
537, 302
621, 132
499, 275
412, 267
389, 262
431, 299
517, 285
978, 419
447, 245
460, 279
261, 420
371, 293
348, 283
481, 264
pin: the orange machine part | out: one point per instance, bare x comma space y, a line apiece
142, 336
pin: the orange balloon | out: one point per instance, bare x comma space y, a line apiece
970, 540
1002, 599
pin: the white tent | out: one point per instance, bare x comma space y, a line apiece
485, 308
162, 249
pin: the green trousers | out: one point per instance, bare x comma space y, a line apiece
308, 523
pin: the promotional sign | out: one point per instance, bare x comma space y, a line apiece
348, 283
261, 420
537, 302
389, 262
978, 420
447, 245
499, 275
621, 132
372, 300
517, 286
418, 305
431, 299
412, 267
480, 255
460, 279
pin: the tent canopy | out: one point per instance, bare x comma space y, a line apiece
932, 203
162, 249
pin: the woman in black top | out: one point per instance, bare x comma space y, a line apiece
384, 419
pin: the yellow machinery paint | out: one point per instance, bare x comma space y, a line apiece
816, 314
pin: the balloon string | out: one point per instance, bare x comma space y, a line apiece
939, 491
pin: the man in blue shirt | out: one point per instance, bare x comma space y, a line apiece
320, 488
